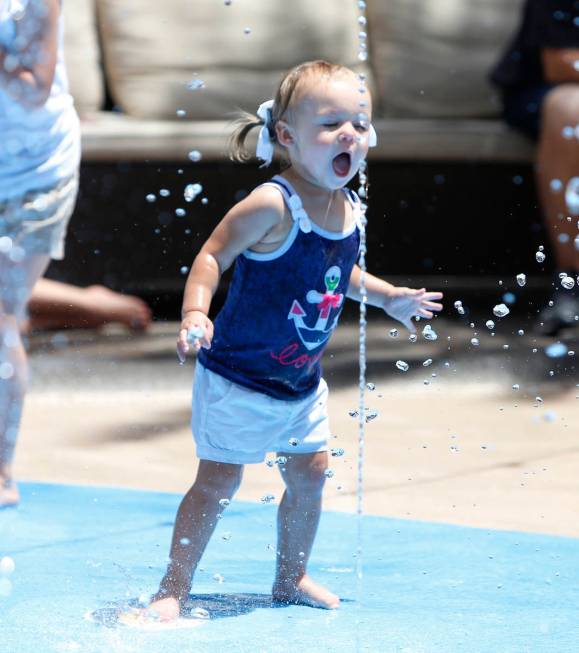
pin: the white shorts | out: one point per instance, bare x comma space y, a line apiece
232, 424
37, 221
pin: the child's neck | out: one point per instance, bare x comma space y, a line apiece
308, 191
319, 202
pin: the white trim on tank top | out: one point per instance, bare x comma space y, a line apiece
292, 235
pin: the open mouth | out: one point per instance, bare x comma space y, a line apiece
341, 164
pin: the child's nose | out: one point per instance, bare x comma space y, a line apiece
347, 136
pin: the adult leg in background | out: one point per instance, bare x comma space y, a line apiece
17, 278
557, 162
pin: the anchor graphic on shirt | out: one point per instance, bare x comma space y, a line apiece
317, 335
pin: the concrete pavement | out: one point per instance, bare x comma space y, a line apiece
452, 442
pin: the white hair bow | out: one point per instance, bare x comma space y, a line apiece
265, 146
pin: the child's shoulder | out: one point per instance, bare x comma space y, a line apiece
267, 201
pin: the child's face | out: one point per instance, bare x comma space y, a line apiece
329, 129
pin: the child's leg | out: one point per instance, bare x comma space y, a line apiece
298, 519
194, 525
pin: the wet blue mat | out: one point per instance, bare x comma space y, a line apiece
427, 588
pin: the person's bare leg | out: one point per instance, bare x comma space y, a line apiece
298, 518
558, 159
16, 282
56, 305
196, 520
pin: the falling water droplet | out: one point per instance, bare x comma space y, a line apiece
556, 350
501, 310
191, 191
428, 333
521, 279
195, 84
402, 366
572, 195
568, 283
6, 370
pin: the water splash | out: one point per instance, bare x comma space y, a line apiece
362, 412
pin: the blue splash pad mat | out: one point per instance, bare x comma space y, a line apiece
427, 588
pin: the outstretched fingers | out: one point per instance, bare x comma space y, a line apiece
427, 306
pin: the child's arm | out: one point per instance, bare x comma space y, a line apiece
244, 226
27, 68
399, 302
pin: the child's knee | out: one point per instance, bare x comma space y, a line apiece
561, 108
310, 480
218, 480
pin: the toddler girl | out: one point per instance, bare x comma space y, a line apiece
258, 385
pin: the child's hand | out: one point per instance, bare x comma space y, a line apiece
196, 331
404, 303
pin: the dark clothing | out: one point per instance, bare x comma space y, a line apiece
283, 306
519, 73
546, 24
522, 107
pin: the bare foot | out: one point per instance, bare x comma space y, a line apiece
9, 495
166, 609
305, 592
109, 306
54, 305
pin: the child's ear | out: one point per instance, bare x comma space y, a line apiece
284, 133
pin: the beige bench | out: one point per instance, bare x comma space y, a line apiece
428, 66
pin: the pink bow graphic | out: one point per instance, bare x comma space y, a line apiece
328, 302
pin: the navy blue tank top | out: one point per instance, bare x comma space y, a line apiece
283, 306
